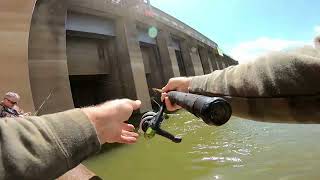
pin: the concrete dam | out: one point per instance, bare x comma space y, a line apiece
73, 53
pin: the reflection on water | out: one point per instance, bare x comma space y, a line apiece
241, 149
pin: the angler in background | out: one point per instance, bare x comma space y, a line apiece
9, 106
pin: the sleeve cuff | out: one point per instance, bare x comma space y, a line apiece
75, 134
198, 83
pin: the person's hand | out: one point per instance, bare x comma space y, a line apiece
175, 84
109, 120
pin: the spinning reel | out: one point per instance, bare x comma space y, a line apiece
212, 110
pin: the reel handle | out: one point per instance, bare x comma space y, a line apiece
168, 135
151, 125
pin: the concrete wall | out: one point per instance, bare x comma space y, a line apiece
45, 63
47, 57
173, 58
132, 71
152, 64
172, 47
88, 23
218, 60
205, 61
195, 57
168, 62
14, 34
86, 57
213, 59
187, 60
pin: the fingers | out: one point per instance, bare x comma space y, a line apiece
135, 104
163, 95
129, 134
128, 127
170, 106
127, 140
178, 84
128, 137
165, 88
168, 87
172, 83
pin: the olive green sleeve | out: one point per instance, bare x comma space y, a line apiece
45, 147
278, 87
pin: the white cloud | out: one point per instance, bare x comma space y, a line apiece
249, 50
317, 30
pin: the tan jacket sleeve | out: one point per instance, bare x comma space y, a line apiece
45, 147
278, 87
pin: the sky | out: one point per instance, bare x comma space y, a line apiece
245, 29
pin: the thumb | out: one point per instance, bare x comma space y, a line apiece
135, 104
167, 88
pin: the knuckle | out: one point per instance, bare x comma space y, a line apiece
127, 107
171, 80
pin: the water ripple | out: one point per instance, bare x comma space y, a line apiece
222, 159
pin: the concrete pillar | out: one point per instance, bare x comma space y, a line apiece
14, 33
223, 63
227, 62
132, 73
153, 66
185, 49
47, 57
163, 40
210, 65
206, 64
114, 67
232, 61
213, 61
218, 60
196, 61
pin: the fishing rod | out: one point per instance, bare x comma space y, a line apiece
214, 111
44, 102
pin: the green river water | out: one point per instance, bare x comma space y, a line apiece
241, 149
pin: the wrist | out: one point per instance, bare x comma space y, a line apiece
90, 113
188, 83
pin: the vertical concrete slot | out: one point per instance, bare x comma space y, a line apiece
91, 56
92, 68
182, 68
176, 45
152, 65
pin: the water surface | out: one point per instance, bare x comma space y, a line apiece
241, 149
